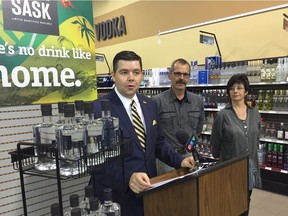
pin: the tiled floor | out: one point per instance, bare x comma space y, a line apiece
265, 203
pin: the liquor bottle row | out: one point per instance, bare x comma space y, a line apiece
273, 155
76, 134
274, 130
269, 129
267, 70
208, 123
203, 146
269, 99
276, 100
90, 206
212, 98
264, 70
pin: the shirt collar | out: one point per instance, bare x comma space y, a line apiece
127, 101
173, 97
229, 106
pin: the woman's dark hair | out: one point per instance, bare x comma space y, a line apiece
127, 56
238, 79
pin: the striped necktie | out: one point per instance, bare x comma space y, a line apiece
138, 125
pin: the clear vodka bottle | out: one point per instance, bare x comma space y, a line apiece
109, 131
61, 118
74, 203
70, 143
79, 111
85, 204
95, 207
45, 133
109, 208
93, 131
76, 212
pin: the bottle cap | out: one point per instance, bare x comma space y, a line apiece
76, 212
74, 200
61, 106
55, 209
107, 194
79, 105
46, 109
105, 105
69, 110
94, 203
89, 191
88, 107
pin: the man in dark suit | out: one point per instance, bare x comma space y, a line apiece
140, 166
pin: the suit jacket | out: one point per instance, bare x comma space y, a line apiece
139, 161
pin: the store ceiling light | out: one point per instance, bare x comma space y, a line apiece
223, 19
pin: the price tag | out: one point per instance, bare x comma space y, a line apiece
284, 171
268, 168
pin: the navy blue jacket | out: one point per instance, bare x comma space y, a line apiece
138, 161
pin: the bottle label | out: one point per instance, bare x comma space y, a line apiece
47, 135
77, 136
280, 134
67, 143
286, 135
95, 130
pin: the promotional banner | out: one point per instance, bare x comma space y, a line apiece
47, 51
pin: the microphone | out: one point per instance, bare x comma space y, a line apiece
189, 142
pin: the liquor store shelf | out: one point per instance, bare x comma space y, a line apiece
261, 111
274, 141
275, 169
261, 139
264, 84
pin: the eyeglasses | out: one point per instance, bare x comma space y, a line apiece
179, 74
236, 88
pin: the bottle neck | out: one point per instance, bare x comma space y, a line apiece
108, 202
106, 113
61, 116
69, 120
79, 113
47, 119
89, 117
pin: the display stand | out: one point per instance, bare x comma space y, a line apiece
24, 159
219, 190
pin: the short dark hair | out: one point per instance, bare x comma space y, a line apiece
181, 61
238, 79
127, 56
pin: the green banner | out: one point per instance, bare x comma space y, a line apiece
47, 52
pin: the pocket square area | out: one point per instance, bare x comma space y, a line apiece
154, 122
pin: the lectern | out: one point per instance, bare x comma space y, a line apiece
219, 190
